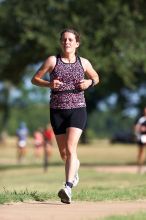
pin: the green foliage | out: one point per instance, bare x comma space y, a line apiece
36, 116
107, 123
113, 39
28, 34
112, 34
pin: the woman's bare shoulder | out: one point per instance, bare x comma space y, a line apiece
84, 60
85, 63
50, 62
51, 59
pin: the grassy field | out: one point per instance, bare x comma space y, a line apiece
28, 181
137, 216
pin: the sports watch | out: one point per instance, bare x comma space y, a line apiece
93, 83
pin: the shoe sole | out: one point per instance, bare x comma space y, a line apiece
64, 197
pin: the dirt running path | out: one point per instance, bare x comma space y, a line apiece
75, 211
118, 169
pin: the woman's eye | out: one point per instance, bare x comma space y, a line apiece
65, 40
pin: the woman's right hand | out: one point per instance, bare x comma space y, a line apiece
55, 84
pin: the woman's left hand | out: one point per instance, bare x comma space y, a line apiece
84, 84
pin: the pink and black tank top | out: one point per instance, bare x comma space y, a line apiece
67, 96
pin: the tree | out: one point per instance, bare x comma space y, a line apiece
27, 37
114, 40
113, 36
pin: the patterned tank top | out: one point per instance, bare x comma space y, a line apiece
70, 74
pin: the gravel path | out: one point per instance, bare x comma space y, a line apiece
76, 211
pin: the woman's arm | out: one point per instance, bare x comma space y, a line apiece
47, 66
92, 75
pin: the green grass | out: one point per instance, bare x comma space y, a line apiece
33, 184
14, 196
137, 216
29, 182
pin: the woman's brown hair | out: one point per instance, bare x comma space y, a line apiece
77, 35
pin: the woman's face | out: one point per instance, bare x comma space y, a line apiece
69, 43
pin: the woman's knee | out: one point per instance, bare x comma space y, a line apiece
63, 156
71, 153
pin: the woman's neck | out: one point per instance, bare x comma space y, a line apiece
68, 58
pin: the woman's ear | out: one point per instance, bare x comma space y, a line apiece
78, 44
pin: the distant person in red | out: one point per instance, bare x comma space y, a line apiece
48, 143
38, 142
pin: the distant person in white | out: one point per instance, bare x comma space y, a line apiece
22, 134
140, 132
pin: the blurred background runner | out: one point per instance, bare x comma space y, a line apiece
48, 143
22, 135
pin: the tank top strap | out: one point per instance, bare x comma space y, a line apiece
57, 58
79, 59
80, 62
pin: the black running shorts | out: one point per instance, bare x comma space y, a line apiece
61, 119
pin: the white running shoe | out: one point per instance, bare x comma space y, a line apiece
76, 177
65, 194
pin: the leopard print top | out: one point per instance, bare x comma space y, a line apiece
70, 74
